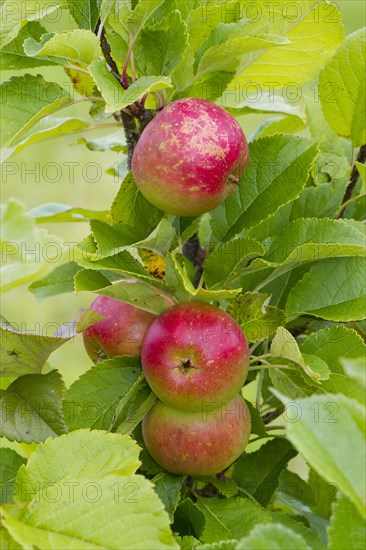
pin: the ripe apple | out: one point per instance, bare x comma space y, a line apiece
194, 354
122, 330
190, 157
197, 443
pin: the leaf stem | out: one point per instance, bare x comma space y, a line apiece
361, 157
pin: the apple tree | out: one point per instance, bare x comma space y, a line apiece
265, 228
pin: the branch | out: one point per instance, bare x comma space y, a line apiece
361, 157
196, 254
272, 415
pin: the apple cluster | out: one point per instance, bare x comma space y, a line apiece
195, 359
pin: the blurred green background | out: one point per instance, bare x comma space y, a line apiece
20, 306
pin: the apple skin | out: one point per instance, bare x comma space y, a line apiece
197, 443
122, 331
195, 354
190, 157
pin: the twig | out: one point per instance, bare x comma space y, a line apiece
272, 415
361, 157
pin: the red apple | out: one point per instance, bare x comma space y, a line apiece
122, 330
197, 443
190, 157
193, 354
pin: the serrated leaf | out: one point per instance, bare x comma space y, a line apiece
333, 289
13, 56
132, 407
25, 353
59, 281
276, 174
90, 402
115, 96
326, 427
276, 537
47, 128
324, 494
313, 37
355, 368
342, 85
347, 527
230, 518
77, 47
284, 345
85, 12
10, 463
14, 19
224, 265
122, 263
112, 142
177, 278
26, 99
98, 468
161, 46
333, 344
139, 294
31, 408
279, 125
58, 212
258, 473
257, 319
131, 208
311, 537
188, 519
313, 239
168, 488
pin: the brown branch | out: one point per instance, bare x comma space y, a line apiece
361, 157
272, 415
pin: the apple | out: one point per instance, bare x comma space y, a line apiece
190, 157
195, 353
197, 443
122, 330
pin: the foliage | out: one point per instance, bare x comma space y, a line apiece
284, 254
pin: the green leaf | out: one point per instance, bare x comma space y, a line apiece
313, 36
161, 46
230, 518
6, 541
47, 128
112, 142
26, 99
284, 345
279, 125
258, 473
333, 344
10, 463
355, 368
76, 47
342, 85
324, 494
313, 239
132, 209
121, 263
14, 17
347, 527
132, 407
258, 320
91, 401
333, 290
85, 12
168, 488
97, 470
324, 428
139, 294
272, 537
188, 519
31, 407
266, 184
25, 353
115, 96
311, 537
13, 56
59, 281
224, 265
